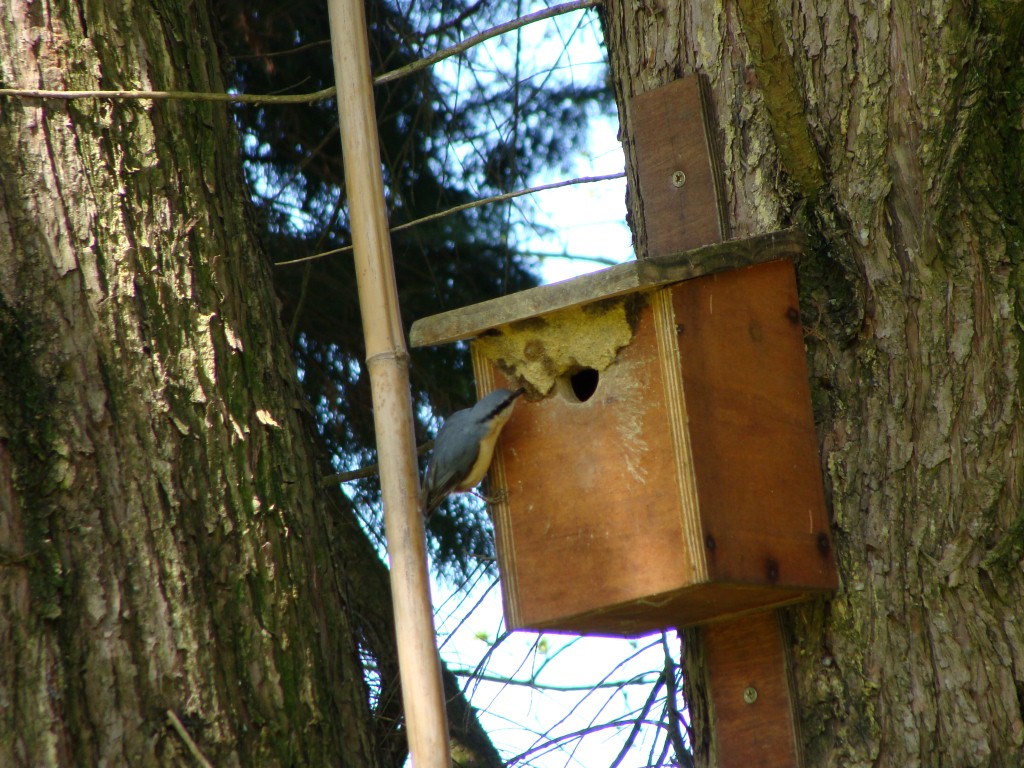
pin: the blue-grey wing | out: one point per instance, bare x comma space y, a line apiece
455, 450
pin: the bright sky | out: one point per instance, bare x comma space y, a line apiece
588, 220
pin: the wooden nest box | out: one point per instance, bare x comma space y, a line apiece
662, 469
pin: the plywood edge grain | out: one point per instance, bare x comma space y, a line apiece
751, 697
679, 426
500, 506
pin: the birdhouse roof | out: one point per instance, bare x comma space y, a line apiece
622, 279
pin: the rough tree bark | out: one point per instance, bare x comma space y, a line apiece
163, 543
892, 133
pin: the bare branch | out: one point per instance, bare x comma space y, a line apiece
558, 740
532, 683
604, 261
684, 757
369, 470
460, 208
286, 52
232, 98
640, 720
487, 34
304, 98
179, 728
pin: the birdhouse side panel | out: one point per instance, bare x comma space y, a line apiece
754, 448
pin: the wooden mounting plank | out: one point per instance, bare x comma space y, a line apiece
751, 705
467, 322
679, 167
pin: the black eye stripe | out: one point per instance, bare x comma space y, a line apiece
504, 404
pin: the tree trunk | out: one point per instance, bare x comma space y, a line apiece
165, 552
893, 136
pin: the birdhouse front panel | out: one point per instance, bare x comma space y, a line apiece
662, 470
589, 512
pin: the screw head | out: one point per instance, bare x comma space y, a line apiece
750, 694
678, 179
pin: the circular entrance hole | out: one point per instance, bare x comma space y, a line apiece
583, 384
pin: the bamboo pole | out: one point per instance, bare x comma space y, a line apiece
387, 360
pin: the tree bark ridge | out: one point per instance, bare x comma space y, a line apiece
912, 304
166, 549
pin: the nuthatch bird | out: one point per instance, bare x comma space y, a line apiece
464, 446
